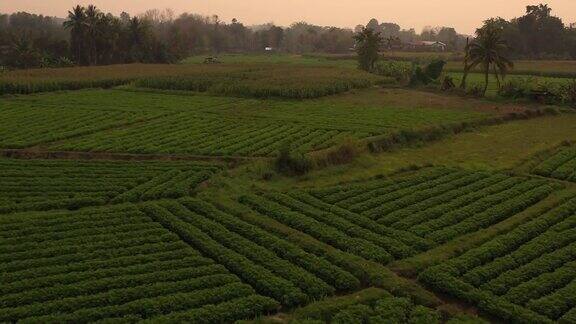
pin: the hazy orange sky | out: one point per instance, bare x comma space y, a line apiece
464, 15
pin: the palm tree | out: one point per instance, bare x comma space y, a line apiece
488, 51
76, 22
93, 16
23, 53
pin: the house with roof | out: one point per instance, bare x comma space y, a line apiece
426, 46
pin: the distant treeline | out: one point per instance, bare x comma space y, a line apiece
89, 36
538, 34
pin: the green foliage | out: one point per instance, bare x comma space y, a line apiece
430, 73
326, 309
560, 165
393, 310
401, 71
192, 124
466, 319
424, 315
524, 275
419, 77
386, 309
254, 80
357, 314
112, 262
368, 43
434, 69
44, 185
292, 163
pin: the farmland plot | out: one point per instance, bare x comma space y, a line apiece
526, 275
561, 165
280, 262
113, 264
399, 217
33, 120
224, 127
53, 184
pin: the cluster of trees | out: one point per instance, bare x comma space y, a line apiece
394, 36
30, 40
100, 38
538, 34
88, 36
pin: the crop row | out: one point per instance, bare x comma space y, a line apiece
107, 263
347, 225
330, 273
328, 234
561, 165
312, 286
373, 198
373, 306
525, 275
207, 134
289, 268
33, 185
435, 204
262, 279
27, 125
234, 80
278, 81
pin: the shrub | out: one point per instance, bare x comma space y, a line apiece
568, 93
424, 315
514, 89
419, 77
357, 314
292, 163
344, 153
434, 69
400, 71
395, 310
466, 319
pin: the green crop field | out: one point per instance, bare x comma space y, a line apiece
159, 194
561, 165
525, 275
478, 79
148, 122
46, 185
551, 68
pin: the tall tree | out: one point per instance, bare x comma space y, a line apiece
93, 32
368, 43
77, 25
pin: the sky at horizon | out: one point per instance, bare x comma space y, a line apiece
463, 15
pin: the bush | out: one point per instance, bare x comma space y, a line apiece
394, 310
292, 163
357, 314
344, 153
434, 69
419, 77
424, 315
400, 71
514, 89
568, 93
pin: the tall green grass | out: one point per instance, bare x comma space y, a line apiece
243, 80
